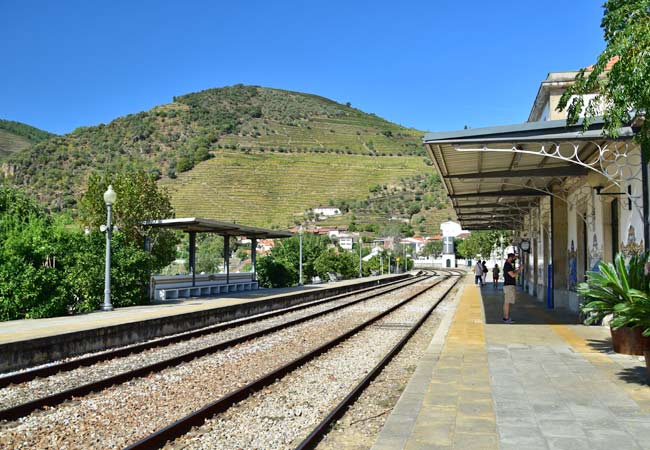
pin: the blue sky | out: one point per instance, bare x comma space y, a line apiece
431, 65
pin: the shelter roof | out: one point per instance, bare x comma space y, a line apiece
494, 175
201, 225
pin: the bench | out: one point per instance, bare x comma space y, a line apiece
170, 293
205, 285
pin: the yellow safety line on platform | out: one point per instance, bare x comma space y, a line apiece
457, 409
639, 393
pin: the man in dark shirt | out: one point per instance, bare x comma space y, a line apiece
509, 293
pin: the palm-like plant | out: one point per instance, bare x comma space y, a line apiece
619, 289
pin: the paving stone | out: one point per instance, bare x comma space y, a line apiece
476, 408
591, 412
440, 400
469, 424
433, 433
561, 428
567, 443
552, 410
610, 439
629, 413
471, 441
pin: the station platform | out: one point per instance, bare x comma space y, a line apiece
34, 341
543, 382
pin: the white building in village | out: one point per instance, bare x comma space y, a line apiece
326, 211
573, 197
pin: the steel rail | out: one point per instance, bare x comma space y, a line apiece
23, 409
312, 440
177, 429
30, 374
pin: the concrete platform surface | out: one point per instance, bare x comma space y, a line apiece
544, 382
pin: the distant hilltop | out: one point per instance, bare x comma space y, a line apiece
246, 153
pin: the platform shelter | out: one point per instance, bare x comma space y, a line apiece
180, 286
572, 197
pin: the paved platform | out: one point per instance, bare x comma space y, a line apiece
544, 382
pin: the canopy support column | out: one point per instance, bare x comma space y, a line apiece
254, 258
644, 182
192, 252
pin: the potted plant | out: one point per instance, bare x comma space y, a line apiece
621, 290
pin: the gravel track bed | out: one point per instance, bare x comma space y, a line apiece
365, 418
21, 393
123, 414
281, 415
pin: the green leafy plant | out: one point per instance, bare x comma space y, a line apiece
619, 289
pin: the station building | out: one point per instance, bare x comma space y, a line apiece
573, 197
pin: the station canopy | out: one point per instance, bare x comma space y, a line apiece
199, 225
495, 175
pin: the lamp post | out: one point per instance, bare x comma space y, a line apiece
300, 260
360, 260
109, 198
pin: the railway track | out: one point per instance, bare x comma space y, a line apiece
69, 364
57, 386
179, 428
68, 414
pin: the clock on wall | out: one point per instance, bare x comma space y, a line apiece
525, 245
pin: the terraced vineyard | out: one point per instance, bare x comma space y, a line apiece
264, 188
246, 154
16, 136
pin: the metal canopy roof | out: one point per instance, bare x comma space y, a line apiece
495, 175
199, 225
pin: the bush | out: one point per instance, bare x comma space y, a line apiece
343, 263
275, 273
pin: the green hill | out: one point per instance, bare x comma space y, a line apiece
16, 136
244, 153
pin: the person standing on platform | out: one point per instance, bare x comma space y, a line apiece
509, 292
495, 275
485, 272
478, 272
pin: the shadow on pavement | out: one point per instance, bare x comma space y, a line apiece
635, 375
601, 345
527, 310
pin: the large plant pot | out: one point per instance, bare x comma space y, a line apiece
629, 341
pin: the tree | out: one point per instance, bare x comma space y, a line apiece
209, 253
273, 273
344, 263
139, 199
288, 250
479, 243
433, 248
623, 89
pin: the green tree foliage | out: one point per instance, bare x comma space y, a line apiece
209, 253
339, 262
624, 91
275, 273
478, 243
49, 267
20, 129
139, 199
432, 248
288, 251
